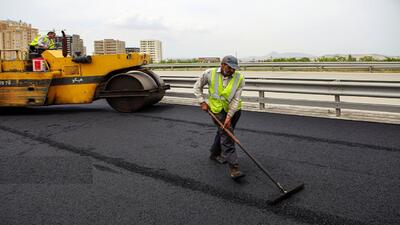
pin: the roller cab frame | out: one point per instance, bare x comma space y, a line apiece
119, 78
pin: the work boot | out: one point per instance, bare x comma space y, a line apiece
218, 158
234, 172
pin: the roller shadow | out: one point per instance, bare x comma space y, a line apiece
50, 110
76, 109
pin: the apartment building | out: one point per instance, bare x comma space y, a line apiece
153, 48
77, 46
109, 46
15, 35
74, 45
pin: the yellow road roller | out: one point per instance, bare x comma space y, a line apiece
55, 78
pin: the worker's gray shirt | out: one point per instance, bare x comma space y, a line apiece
205, 79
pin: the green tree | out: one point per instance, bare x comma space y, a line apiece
304, 59
340, 59
350, 58
367, 59
327, 59
391, 59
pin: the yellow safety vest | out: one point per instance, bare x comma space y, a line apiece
220, 97
50, 42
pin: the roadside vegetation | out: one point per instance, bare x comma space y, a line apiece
338, 59
349, 58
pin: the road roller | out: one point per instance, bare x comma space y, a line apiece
53, 78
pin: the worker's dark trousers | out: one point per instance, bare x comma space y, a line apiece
223, 145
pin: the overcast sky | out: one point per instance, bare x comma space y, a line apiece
190, 29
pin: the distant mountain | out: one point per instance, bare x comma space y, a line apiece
288, 55
358, 56
275, 55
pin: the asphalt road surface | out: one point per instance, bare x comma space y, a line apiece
87, 164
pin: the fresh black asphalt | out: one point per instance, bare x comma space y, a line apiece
87, 164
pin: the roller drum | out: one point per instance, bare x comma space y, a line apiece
138, 90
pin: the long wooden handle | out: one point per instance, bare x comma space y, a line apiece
225, 129
247, 153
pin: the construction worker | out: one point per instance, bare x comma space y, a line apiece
225, 90
42, 43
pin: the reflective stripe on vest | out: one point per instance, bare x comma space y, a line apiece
52, 45
35, 41
45, 40
217, 99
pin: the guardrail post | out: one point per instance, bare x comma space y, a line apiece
261, 96
371, 68
338, 110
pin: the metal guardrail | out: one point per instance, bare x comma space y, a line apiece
315, 65
335, 88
